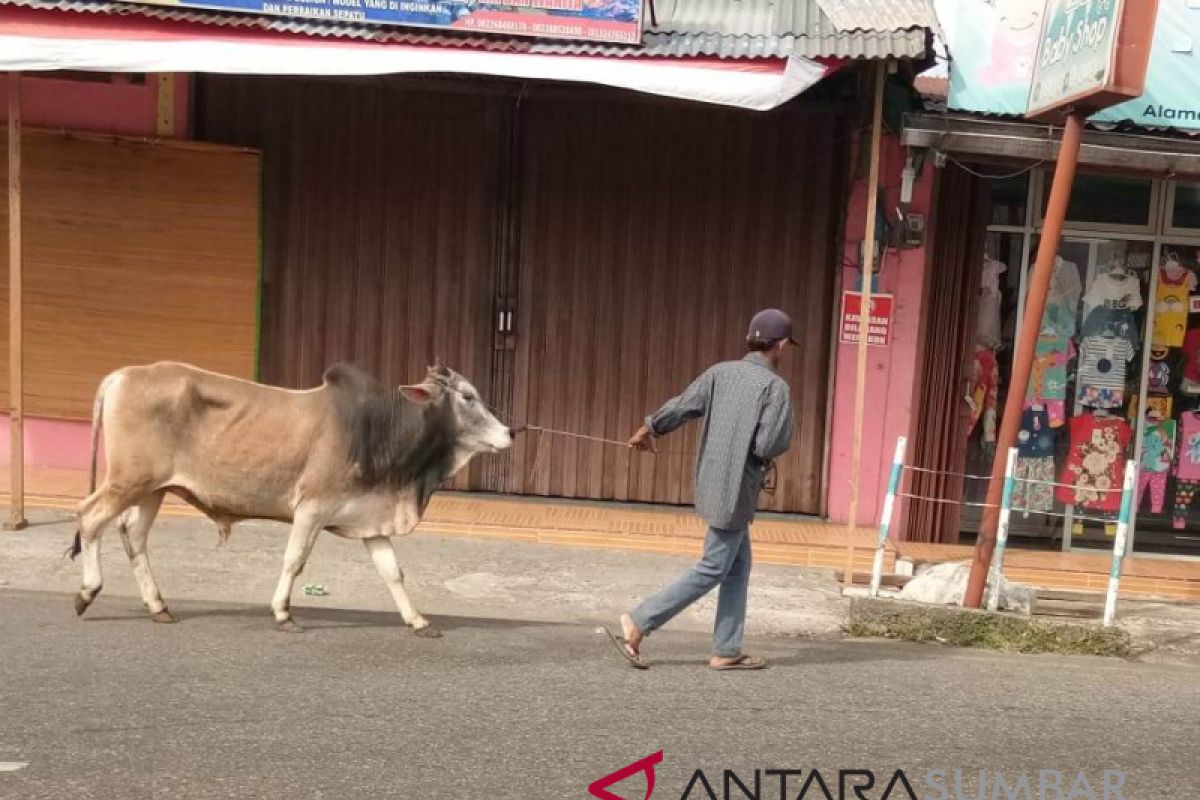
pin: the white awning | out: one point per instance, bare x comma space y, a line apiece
35, 40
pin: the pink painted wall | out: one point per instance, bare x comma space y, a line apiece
120, 107
50, 443
891, 370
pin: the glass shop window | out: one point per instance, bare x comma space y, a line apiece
1009, 200
1185, 207
1107, 200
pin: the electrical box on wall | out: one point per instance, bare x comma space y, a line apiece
914, 230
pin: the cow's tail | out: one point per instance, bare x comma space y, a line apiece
97, 417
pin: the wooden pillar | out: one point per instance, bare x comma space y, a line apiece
165, 123
16, 371
864, 318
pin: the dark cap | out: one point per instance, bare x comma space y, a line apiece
771, 325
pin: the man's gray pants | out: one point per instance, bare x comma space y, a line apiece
725, 563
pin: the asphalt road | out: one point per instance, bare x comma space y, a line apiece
223, 706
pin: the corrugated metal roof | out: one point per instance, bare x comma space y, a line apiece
722, 28
858, 44
880, 15
777, 27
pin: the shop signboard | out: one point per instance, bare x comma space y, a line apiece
994, 45
593, 20
879, 327
1076, 53
1092, 54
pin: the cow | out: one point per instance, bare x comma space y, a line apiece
351, 456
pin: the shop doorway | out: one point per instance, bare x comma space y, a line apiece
580, 254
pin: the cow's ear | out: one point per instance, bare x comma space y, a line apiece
420, 393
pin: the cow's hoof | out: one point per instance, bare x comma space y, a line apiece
290, 625
428, 632
81, 604
164, 616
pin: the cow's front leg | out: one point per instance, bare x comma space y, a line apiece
384, 556
300, 544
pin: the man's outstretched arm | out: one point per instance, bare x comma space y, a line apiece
691, 404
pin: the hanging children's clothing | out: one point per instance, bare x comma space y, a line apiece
1062, 301
1114, 290
1187, 465
1175, 282
1101, 376
1048, 383
985, 384
1119, 322
1095, 464
1108, 307
1191, 363
1165, 371
1036, 438
1158, 455
1033, 489
1156, 405
988, 331
1048, 380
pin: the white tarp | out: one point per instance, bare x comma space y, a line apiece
135, 46
946, 585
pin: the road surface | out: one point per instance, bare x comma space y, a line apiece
223, 706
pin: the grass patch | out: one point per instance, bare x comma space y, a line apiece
965, 627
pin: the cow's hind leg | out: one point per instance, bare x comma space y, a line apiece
135, 531
96, 512
300, 544
384, 556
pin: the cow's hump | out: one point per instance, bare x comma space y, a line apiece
354, 382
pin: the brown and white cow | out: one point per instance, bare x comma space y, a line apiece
351, 456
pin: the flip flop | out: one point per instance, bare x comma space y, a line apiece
627, 652
743, 662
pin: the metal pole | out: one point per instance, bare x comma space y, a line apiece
885, 517
1128, 490
1031, 323
16, 394
864, 319
997, 572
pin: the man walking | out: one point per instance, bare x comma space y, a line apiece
747, 417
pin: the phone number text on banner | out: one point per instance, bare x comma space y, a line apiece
593, 20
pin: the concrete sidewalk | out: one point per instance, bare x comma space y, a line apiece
451, 575
493, 578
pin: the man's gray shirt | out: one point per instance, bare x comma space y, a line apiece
747, 411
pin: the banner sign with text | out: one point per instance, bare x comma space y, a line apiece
593, 20
994, 46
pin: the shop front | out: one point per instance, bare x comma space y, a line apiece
1116, 373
